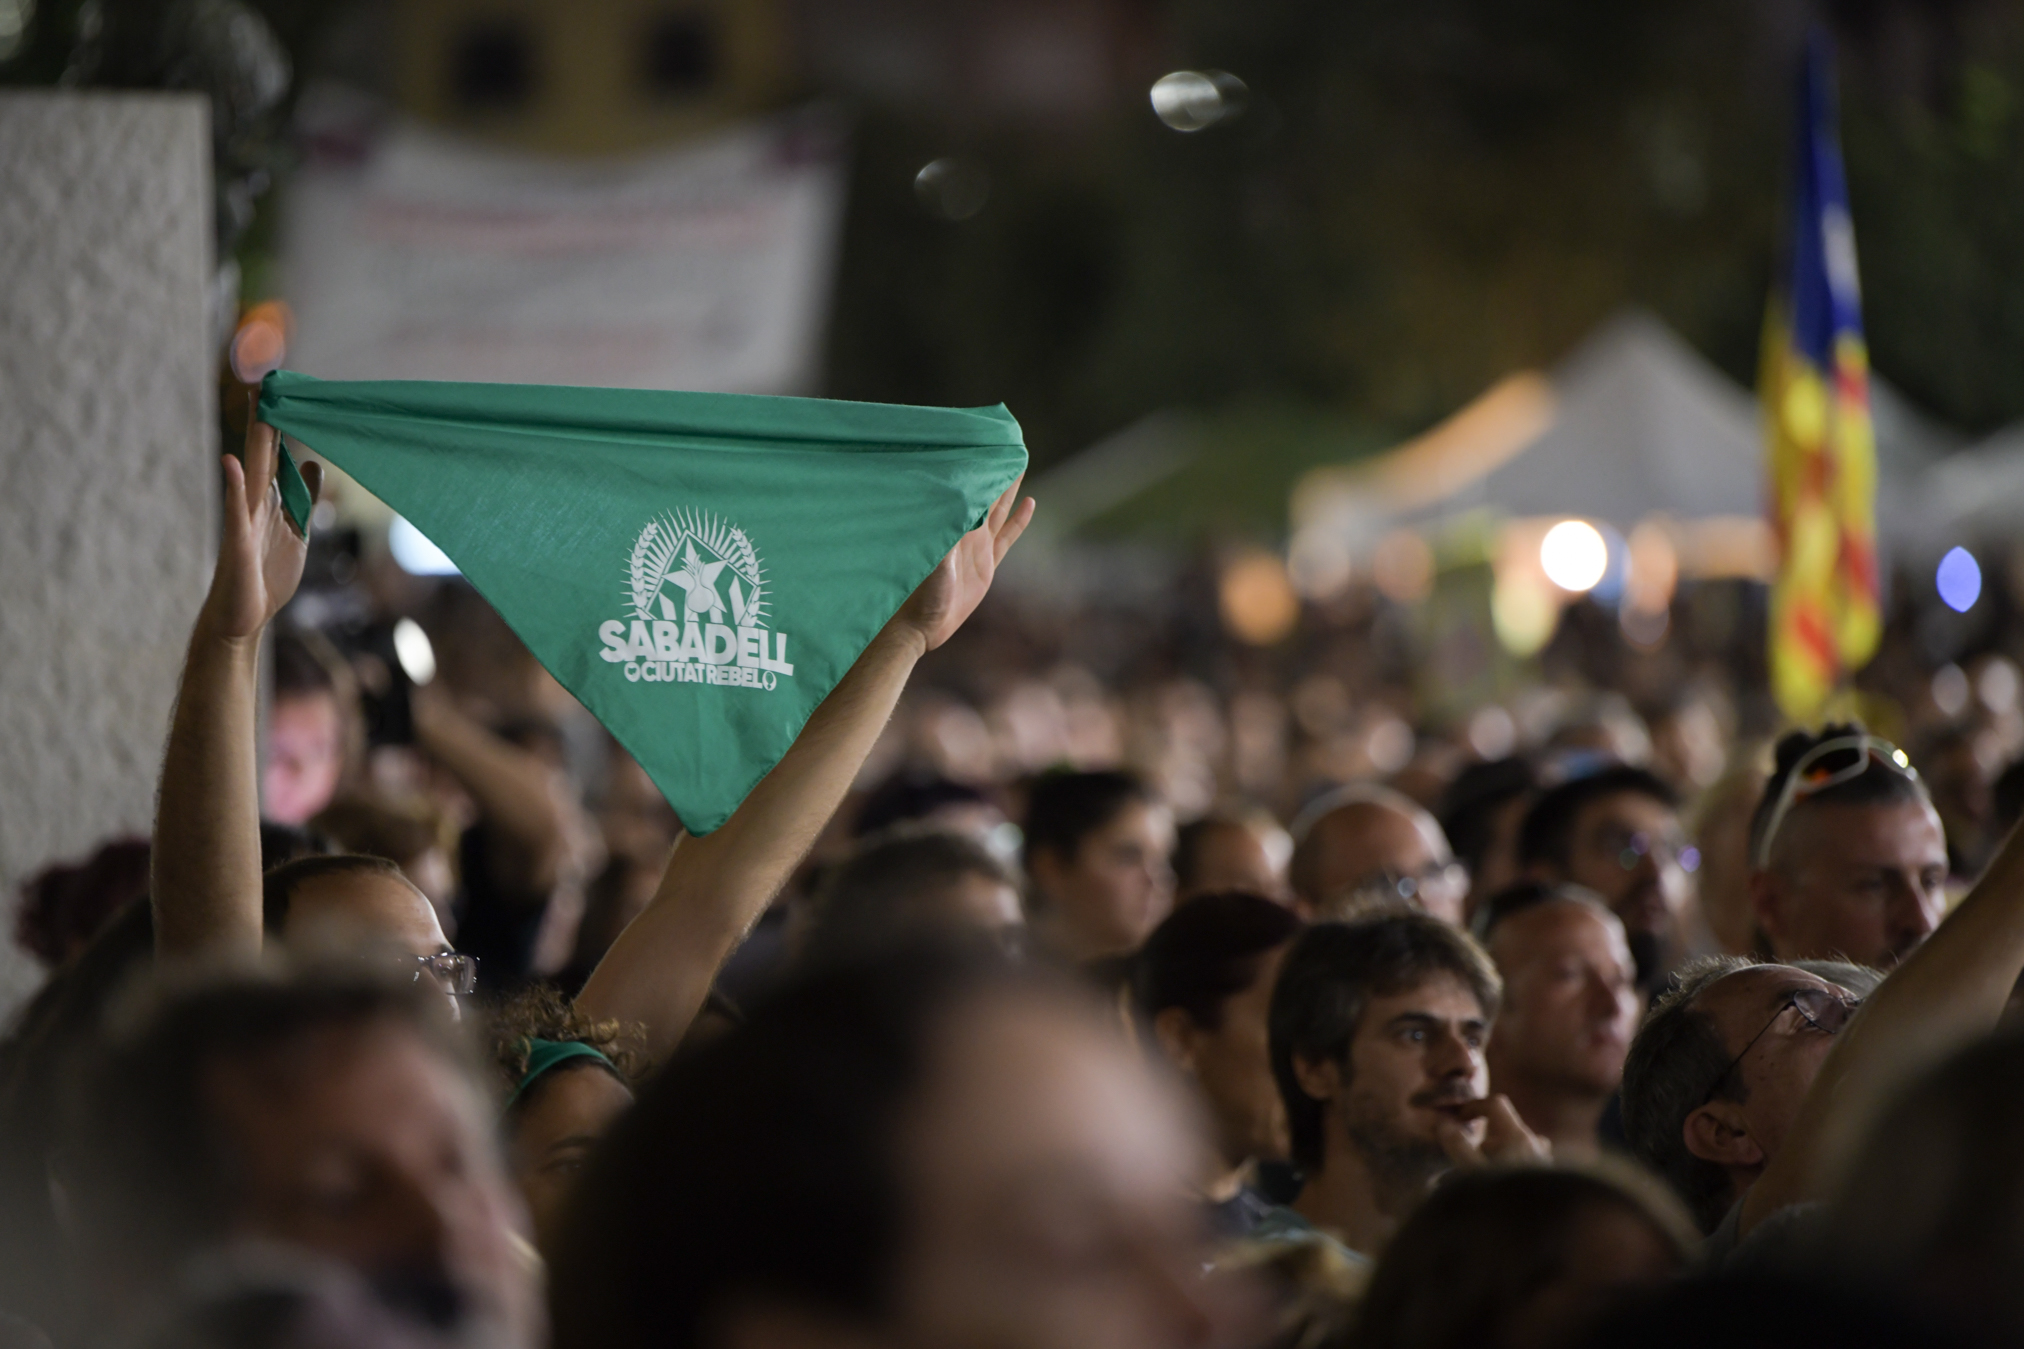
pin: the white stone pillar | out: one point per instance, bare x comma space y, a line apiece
108, 440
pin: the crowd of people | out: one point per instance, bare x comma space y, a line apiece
1163, 996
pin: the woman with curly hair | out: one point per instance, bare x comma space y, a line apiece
565, 1076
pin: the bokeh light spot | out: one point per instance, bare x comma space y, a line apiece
1193, 100
1574, 555
1959, 580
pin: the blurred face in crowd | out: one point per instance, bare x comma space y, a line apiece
1049, 1208
1233, 856
1570, 1002
305, 757
1232, 1064
1368, 840
1781, 1047
974, 899
1626, 848
553, 1129
1612, 1251
1865, 883
1416, 1057
363, 1144
1723, 882
1499, 869
1115, 888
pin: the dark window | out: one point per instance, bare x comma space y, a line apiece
492, 67
681, 54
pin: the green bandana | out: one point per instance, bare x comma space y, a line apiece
543, 1055
698, 569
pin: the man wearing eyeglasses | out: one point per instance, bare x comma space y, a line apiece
1744, 1072
1616, 832
1848, 856
1365, 837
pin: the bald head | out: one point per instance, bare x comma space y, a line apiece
1379, 833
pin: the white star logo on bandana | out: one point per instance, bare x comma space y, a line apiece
699, 579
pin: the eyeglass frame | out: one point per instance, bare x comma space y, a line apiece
1874, 749
1639, 844
1791, 1000
466, 979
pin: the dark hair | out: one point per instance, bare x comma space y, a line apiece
876, 895
299, 671
1207, 952
1676, 1056
1547, 835
278, 887
43, 1043
765, 1165
1873, 787
1330, 976
1476, 794
285, 842
151, 1177
1065, 808
65, 904
1485, 1244
908, 797
1189, 841
1513, 900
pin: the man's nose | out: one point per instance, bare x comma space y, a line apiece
1452, 1056
1602, 999
1908, 916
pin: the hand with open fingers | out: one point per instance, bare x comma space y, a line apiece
957, 586
260, 557
1488, 1133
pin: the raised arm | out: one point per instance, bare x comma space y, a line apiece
206, 862
658, 972
528, 829
1950, 990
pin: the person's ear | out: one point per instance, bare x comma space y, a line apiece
1176, 1032
1718, 1132
1767, 905
1319, 1078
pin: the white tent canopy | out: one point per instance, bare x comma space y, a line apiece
1641, 424
1633, 423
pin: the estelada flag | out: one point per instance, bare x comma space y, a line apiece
698, 569
1825, 603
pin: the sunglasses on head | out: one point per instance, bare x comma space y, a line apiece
1829, 764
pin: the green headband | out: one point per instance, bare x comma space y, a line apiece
542, 1055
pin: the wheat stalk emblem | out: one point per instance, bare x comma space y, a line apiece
651, 558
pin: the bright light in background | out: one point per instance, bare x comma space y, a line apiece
1997, 685
1959, 580
1190, 100
14, 17
261, 342
1523, 611
1402, 567
415, 554
952, 188
1574, 555
1319, 563
1492, 734
1257, 599
412, 648
1950, 690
